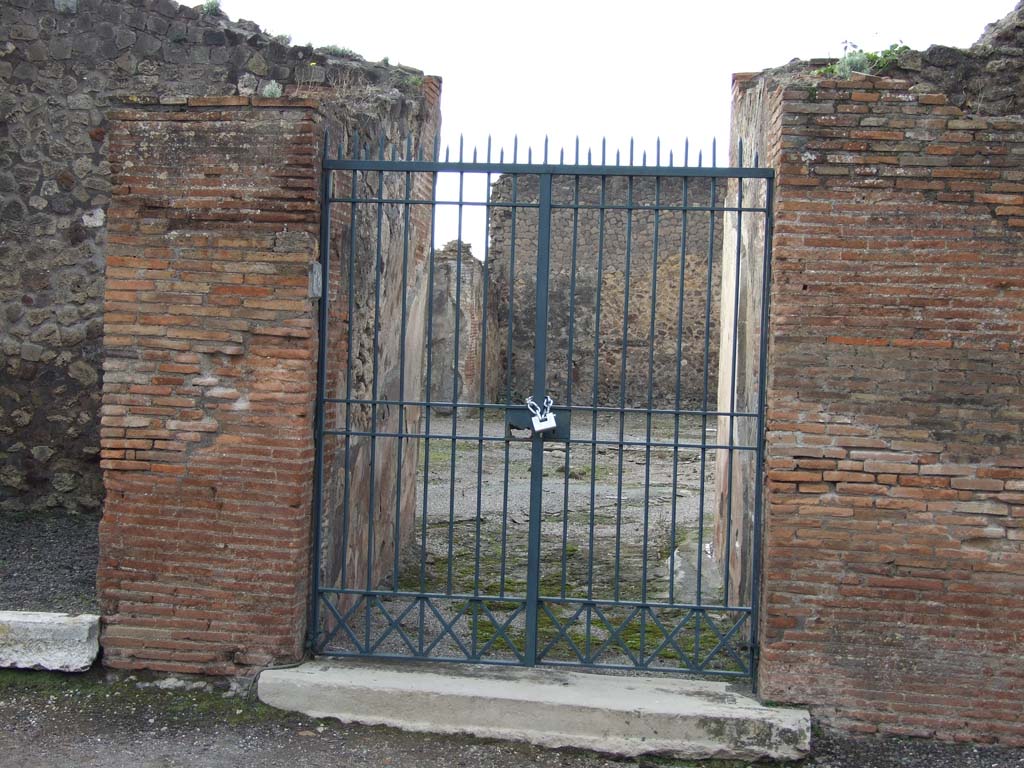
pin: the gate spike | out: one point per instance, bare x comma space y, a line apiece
657, 151
604, 141
644, 158
713, 149
545, 149
617, 157
488, 147
447, 153
501, 155
408, 146
561, 156
515, 147
577, 149
474, 154
529, 155
670, 161
686, 151
461, 146
630, 150
700, 158
756, 160
590, 156
739, 154
437, 147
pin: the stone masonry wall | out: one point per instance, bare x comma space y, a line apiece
603, 296
63, 65
461, 307
894, 535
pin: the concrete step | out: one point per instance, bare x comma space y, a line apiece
615, 714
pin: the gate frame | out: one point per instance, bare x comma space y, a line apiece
544, 171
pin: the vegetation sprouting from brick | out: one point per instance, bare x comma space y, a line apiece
63, 66
855, 60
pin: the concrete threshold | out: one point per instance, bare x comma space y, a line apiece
614, 714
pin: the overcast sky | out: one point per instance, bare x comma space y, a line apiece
640, 68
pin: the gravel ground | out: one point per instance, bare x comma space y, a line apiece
127, 721
48, 562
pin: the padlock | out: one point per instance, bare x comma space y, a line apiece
544, 422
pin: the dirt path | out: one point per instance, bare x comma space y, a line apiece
98, 720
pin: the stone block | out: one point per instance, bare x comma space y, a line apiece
54, 641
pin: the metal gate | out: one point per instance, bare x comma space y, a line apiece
542, 443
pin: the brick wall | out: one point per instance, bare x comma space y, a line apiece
894, 535
209, 336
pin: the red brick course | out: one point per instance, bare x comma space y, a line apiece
893, 596
210, 341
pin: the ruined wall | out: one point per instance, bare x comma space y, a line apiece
894, 534
461, 312
612, 309
376, 347
210, 336
63, 65
744, 278
208, 389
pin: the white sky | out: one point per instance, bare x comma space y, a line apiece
641, 69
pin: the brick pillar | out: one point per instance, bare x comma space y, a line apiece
893, 593
209, 388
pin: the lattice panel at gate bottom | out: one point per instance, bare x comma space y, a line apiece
625, 539
493, 630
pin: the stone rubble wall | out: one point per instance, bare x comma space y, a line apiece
63, 65
610, 313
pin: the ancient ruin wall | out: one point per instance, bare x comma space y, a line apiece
738, 386
588, 260
63, 65
461, 312
379, 289
210, 337
894, 531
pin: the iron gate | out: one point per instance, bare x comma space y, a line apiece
635, 298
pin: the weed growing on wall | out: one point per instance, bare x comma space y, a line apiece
272, 89
856, 60
337, 50
211, 7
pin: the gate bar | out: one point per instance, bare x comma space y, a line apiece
537, 449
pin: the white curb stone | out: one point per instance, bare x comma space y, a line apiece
620, 715
55, 641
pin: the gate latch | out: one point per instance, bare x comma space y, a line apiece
543, 418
